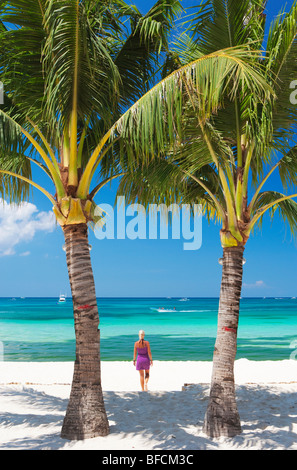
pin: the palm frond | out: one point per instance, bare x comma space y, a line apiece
20, 49
218, 24
14, 150
83, 52
286, 207
203, 84
281, 68
288, 168
139, 53
164, 183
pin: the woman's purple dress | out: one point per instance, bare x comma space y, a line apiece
143, 360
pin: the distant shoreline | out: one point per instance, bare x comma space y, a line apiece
151, 297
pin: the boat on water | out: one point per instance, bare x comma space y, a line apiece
62, 299
184, 300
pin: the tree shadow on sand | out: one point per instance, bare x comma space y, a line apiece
157, 420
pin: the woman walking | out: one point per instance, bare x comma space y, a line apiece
142, 350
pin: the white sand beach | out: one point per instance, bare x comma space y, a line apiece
34, 396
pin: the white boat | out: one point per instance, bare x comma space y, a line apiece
62, 299
184, 300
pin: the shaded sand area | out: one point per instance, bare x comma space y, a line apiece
34, 397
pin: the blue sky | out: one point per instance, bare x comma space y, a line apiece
33, 262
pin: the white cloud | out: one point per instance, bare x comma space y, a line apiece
26, 253
255, 285
19, 223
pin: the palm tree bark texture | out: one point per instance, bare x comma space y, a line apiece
222, 417
86, 393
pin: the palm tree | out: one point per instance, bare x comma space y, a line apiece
219, 158
70, 68
254, 142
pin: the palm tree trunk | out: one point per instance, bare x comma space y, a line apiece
86, 415
222, 418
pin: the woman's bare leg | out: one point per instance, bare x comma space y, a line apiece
146, 379
141, 373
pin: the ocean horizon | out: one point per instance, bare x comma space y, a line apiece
35, 329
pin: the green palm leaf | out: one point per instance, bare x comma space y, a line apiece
274, 201
202, 84
69, 71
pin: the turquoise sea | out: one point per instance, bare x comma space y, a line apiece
41, 329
